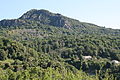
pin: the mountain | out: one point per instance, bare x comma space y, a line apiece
44, 17
42, 45
41, 16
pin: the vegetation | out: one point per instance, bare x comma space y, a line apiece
41, 45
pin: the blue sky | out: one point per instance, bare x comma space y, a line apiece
101, 12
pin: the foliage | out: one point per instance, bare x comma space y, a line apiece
41, 45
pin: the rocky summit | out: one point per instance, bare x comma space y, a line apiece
36, 17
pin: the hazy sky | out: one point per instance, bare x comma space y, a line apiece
101, 12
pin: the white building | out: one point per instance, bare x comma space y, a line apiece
115, 61
87, 57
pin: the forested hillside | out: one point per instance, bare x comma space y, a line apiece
42, 45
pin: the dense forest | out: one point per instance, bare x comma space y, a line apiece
41, 45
